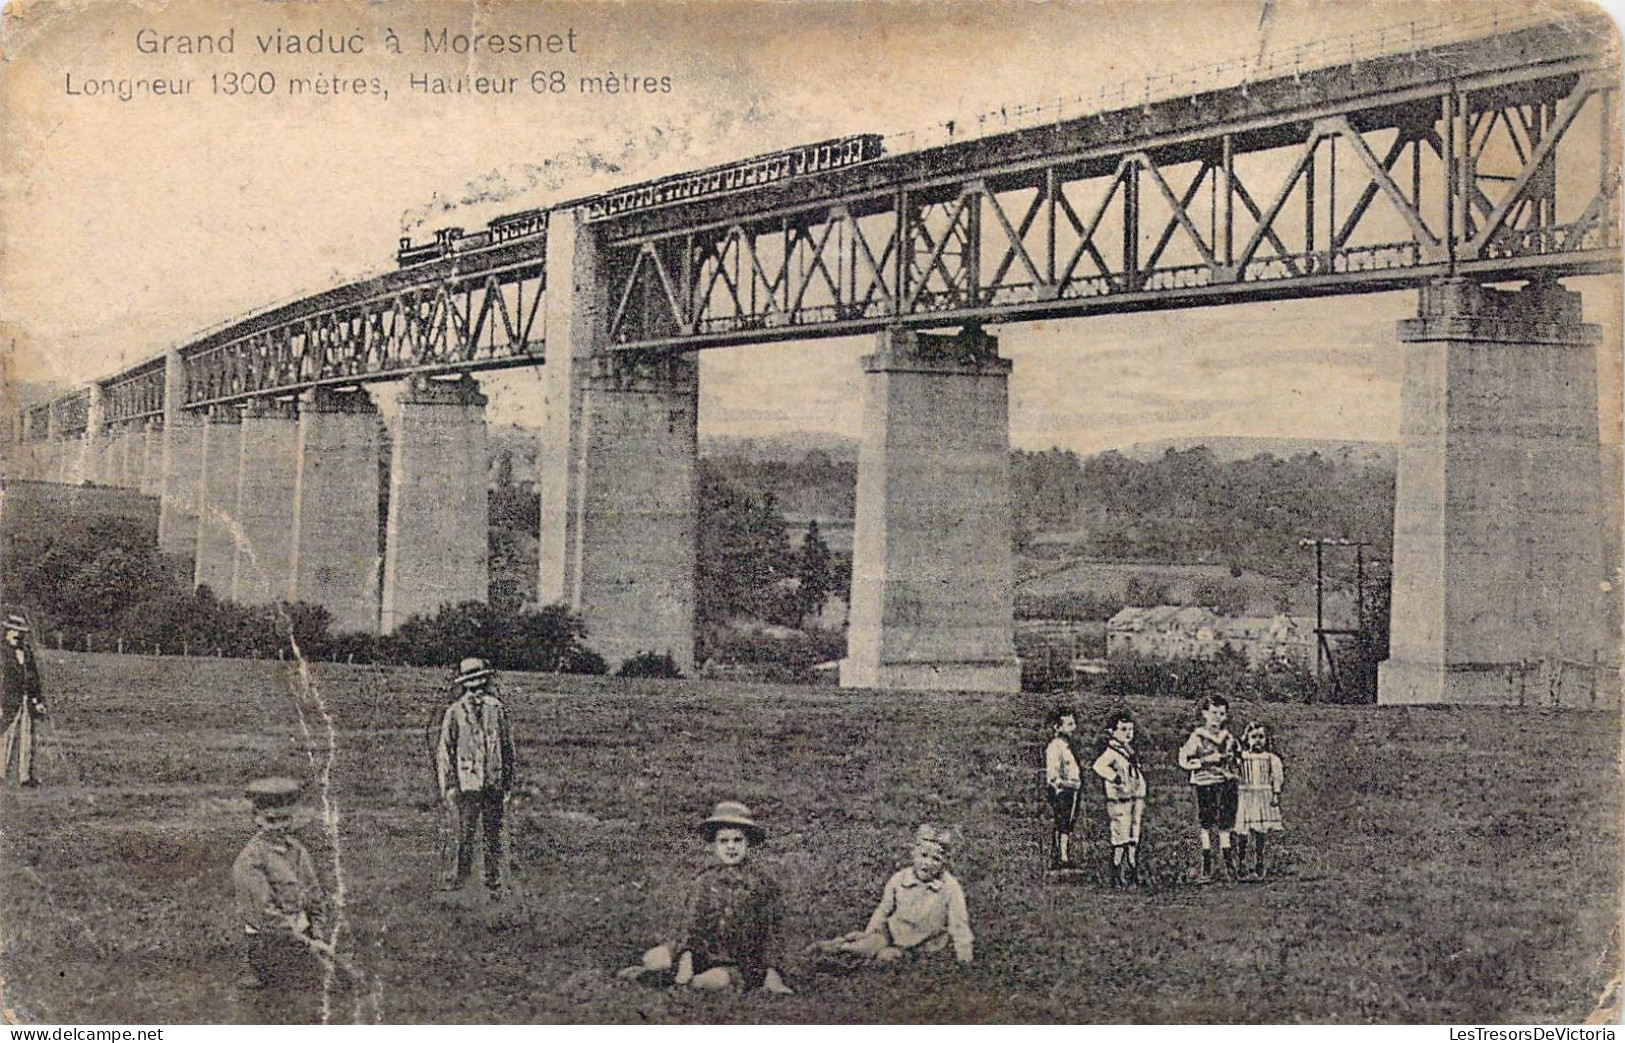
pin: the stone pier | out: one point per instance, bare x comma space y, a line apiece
618, 469
436, 549
88, 470
267, 462
182, 463
1498, 526
335, 512
932, 600
108, 468
152, 458
576, 320
57, 459
638, 497
118, 451
217, 502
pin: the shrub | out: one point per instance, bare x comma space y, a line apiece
650, 664
1225, 674
785, 659
548, 639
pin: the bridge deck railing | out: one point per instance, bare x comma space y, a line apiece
1387, 42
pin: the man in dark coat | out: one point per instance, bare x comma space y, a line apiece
22, 701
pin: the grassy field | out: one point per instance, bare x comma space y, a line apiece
1439, 865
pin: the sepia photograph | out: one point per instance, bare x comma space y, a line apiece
855, 512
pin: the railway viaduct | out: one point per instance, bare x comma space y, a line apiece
1477, 169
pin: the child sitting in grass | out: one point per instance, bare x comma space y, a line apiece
1119, 767
730, 938
1258, 804
921, 912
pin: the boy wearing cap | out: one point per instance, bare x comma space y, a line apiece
922, 910
731, 933
22, 700
282, 906
474, 764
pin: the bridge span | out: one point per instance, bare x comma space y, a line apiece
1443, 166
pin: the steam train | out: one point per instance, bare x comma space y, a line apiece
834, 154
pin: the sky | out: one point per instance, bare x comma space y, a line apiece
130, 226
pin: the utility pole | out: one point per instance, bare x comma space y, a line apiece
1324, 663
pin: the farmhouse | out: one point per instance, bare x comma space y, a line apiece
1183, 631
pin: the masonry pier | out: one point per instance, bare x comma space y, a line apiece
932, 599
85, 467
618, 469
436, 545
183, 461
152, 458
638, 499
335, 513
217, 501
576, 321
1498, 525
267, 460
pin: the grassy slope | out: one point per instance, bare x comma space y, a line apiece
1440, 866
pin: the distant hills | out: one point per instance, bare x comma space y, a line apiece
1229, 448
792, 447
787, 448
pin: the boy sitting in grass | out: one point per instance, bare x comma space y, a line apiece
730, 938
922, 911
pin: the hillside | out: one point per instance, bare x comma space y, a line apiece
1439, 866
1229, 448
785, 448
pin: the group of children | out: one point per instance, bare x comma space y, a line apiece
1237, 788
730, 936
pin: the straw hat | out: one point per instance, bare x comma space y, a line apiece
274, 792
472, 669
731, 814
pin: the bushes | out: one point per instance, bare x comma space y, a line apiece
650, 664
549, 639
1225, 674
1070, 604
175, 623
786, 658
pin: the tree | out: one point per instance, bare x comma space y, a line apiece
1225, 598
1145, 593
813, 570
743, 552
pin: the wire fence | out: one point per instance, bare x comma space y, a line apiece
1388, 42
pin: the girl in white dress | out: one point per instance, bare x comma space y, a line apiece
1258, 804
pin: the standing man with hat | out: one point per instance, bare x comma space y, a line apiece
474, 764
282, 906
22, 700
